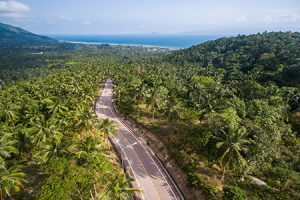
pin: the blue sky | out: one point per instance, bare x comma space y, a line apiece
151, 16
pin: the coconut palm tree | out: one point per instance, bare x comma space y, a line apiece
118, 188
58, 109
24, 138
53, 146
107, 127
8, 112
118, 91
87, 147
156, 98
85, 119
31, 110
174, 108
7, 146
43, 129
232, 145
11, 180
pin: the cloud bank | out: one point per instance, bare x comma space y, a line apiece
13, 9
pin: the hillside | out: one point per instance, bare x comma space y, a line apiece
11, 36
225, 111
265, 57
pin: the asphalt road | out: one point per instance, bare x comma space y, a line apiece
140, 162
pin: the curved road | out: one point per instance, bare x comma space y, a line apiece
140, 162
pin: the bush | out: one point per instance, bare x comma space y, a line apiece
190, 168
195, 179
125, 106
56, 188
283, 175
56, 166
209, 189
258, 193
233, 193
74, 181
295, 121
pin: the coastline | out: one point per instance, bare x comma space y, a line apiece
122, 44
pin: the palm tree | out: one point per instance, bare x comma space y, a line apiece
118, 91
43, 129
87, 145
232, 145
107, 127
8, 112
58, 108
85, 120
204, 89
156, 98
24, 138
53, 146
174, 108
31, 112
118, 188
7, 146
11, 180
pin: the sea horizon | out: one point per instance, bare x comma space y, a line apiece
146, 40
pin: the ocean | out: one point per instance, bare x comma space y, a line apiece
157, 40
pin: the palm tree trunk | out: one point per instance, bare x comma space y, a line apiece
223, 174
153, 111
138, 113
92, 195
242, 179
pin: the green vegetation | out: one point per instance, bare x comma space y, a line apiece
14, 36
227, 111
233, 193
48, 129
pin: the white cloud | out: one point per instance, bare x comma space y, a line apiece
67, 18
195, 24
85, 22
242, 19
268, 19
13, 9
290, 17
11, 15
51, 23
281, 16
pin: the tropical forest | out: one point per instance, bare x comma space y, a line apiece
224, 115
